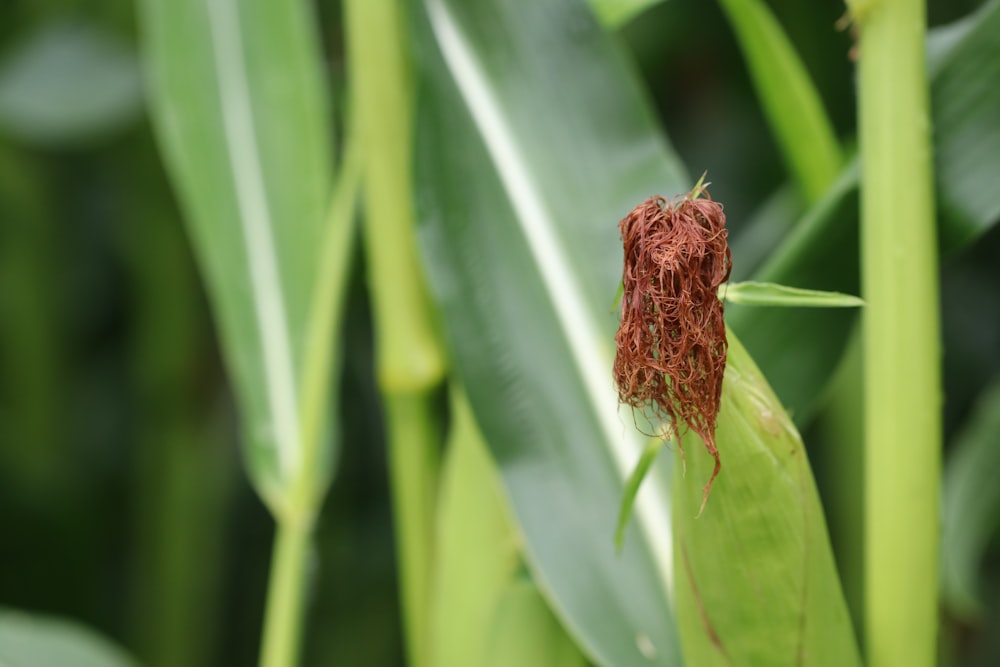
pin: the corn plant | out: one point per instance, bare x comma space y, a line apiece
576, 478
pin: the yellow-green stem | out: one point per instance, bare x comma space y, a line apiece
414, 438
283, 620
409, 357
284, 612
902, 377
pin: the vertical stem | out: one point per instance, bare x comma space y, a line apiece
284, 611
902, 377
414, 436
284, 614
409, 358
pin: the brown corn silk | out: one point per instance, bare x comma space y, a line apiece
671, 344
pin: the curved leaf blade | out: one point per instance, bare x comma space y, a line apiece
518, 226
791, 102
970, 505
240, 107
41, 641
525, 633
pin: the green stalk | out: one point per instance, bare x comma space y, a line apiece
902, 377
284, 611
409, 357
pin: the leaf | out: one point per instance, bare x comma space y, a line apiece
970, 505
518, 207
616, 13
791, 102
66, 83
965, 105
797, 350
238, 100
477, 550
30, 640
756, 579
752, 293
526, 634
632, 486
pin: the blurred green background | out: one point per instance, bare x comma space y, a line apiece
123, 504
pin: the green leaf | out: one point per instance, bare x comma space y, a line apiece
791, 103
238, 99
632, 486
518, 210
477, 550
970, 505
616, 13
798, 350
67, 83
30, 640
965, 105
756, 579
752, 293
526, 634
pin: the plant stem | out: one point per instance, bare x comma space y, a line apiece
409, 357
414, 437
902, 377
283, 621
283, 615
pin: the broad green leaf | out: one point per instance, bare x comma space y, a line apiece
965, 105
798, 350
67, 83
971, 505
525, 633
756, 579
29, 640
752, 293
477, 550
519, 205
238, 100
790, 101
771, 221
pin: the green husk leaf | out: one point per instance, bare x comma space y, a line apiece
756, 579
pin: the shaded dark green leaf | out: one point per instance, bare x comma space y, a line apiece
67, 83
28, 640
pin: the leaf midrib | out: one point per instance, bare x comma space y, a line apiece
256, 224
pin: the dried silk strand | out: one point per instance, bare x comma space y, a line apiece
671, 344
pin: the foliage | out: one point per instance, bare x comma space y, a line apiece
425, 411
